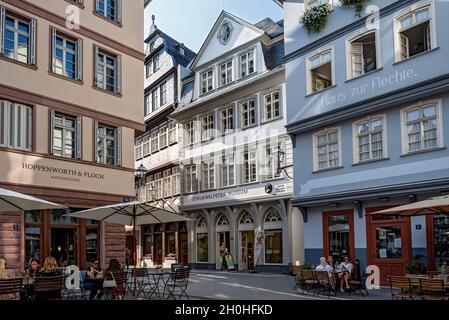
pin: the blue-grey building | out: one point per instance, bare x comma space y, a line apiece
368, 112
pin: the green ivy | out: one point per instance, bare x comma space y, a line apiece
315, 18
357, 4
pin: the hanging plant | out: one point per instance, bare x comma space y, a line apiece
315, 18
357, 4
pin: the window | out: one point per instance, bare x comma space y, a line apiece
66, 55
175, 181
227, 171
226, 73
108, 68
191, 180
271, 106
163, 89
363, 53
370, 139
108, 144
320, 71
273, 246
147, 105
207, 81
227, 120
422, 127
414, 32
246, 218
158, 192
201, 240
66, 135
247, 65
207, 126
148, 69
207, 175
270, 163
16, 123
163, 136
314, 3
155, 99
327, 149
138, 148
156, 63
154, 141
110, 9
146, 145
17, 37
338, 235
190, 132
167, 182
249, 166
248, 111
172, 137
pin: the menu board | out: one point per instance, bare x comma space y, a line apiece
229, 262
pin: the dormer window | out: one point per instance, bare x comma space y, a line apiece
247, 66
226, 73
207, 81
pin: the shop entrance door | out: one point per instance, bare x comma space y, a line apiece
158, 254
63, 246
222, 238
389, 246
246, 250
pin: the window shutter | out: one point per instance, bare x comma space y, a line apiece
3, 122
78, 145
96, 66
428, 38
53, 49
404, 47
357, 58
118, 73
118, 16
79, 58
97, 5
95, 141
118, 146
52, 130
2, 28
32, 57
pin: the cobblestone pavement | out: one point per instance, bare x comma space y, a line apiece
259, 286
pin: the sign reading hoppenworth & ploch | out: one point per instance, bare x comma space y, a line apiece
63, 173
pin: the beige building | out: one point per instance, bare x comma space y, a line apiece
71, 100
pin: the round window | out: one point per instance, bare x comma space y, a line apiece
225, 32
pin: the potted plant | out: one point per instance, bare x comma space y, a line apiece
315, 18
416, 265
357, 4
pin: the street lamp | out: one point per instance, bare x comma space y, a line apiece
280, 160
141, 173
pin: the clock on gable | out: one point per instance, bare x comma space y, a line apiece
225, 32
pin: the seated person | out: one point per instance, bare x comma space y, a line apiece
92, 280
344, 273
119, 291
49, 269
323, 266
28, 279
330, 261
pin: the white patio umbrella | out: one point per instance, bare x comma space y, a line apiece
435, 205
133, 213
15, 201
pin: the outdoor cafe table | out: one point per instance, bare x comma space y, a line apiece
159, 276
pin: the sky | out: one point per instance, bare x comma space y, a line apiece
189, 21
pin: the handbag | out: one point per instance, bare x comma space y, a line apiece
110, 283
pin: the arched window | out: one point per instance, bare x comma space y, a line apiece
202, 240
273, 236
246, 218
273, 216
201, 223
222, 221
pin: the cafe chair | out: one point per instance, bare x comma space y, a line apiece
10, 288
177, 283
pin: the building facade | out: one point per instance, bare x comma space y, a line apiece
368, 106
70, 103
157, 148
233, 113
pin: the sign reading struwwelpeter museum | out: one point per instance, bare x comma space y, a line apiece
54, 173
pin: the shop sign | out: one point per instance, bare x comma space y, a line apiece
59, 173
280, 188
16, 227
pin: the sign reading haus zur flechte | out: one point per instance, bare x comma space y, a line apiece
63, 173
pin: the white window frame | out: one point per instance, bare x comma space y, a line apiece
270, 162
208, 174
271, 104
77, 53
10, 113
138, 148
246, 68
117, 8
116, 141
191, 171
227, 120
172, 132
163, 136
355, 136
163, 93
440, 131
176, 183
155, 100
397, 27
101, 65
320, 52
207, 127
64, 130
252, 161
155, 62
146, 145
190, 133
158, 186
154, 134
167, 183
207, 79
228, 161
352, 39
312, 3
147, 104
248, 111
227, 69
315, 136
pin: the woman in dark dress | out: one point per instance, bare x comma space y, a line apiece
49, 269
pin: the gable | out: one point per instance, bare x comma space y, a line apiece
242, 33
